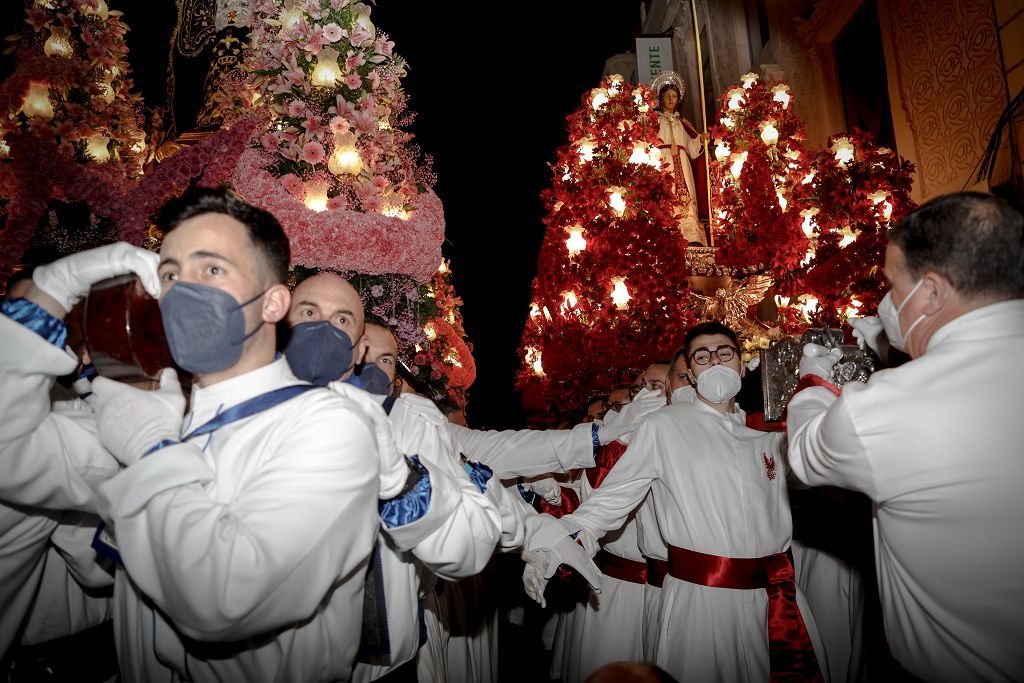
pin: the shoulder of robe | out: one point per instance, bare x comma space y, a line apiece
689, 128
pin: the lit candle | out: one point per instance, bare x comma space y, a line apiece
316, 197
96, 146
769, 133
722, 151
37, 103
620, 295
58, 44
781, 94
575, 244
326, 72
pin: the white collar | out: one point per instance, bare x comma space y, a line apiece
207, 401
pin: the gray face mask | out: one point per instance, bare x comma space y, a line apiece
374, 380
205, 327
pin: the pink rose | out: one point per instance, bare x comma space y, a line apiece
313, 153
353, 81
332, 32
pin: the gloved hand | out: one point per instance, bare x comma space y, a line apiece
613, 427
819, 361
870, 333
534, 581
547, 488
643, 404
68, 279
549, 544
131, 421
394, 468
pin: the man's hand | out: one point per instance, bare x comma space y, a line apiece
547, 488
819, 361
68, 279
614, 432
645, 402
870, 333
132, 421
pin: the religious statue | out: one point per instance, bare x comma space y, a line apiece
682, 152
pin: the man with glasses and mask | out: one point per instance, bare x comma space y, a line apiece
936, 442
719, 495
244, 527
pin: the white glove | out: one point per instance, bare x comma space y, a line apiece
819, 361
607, 433
548, 544
394, 468
870, 333
534, 581
644, 403
131, 421
547, 488
67, 280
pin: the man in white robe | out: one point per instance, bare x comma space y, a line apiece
241, 560
719, 493
936, 443
451, 545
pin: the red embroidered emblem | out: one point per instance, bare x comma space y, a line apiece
769, 466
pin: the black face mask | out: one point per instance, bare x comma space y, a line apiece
374, 380
319, 352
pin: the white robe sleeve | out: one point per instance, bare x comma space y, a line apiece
824, 446
51, 459
527, 452
456, 537
302, 522
607, 507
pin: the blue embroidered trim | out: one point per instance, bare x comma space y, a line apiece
162, 444
410, 507
594, 429
528, 496
479, 474
32, 316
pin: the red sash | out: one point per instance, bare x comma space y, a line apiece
621, 568
604, 461
570, 501
657, 570
789, 645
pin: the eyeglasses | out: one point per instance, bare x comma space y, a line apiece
724, 353
617, 407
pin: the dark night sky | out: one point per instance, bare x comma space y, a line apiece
492, 96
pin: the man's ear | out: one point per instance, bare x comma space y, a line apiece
360, 349
938, 290
276, 303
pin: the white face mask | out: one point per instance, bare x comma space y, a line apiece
890, 317
684, 394
719, 383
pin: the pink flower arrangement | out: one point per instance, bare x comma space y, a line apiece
345, 239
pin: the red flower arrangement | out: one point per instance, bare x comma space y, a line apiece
611, 292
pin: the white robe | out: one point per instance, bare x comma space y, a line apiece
246, 549
713, 494
49, 456
528, 452
458, 545
936, 444
608, 627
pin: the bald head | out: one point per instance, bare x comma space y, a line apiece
630, 672
330, 297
